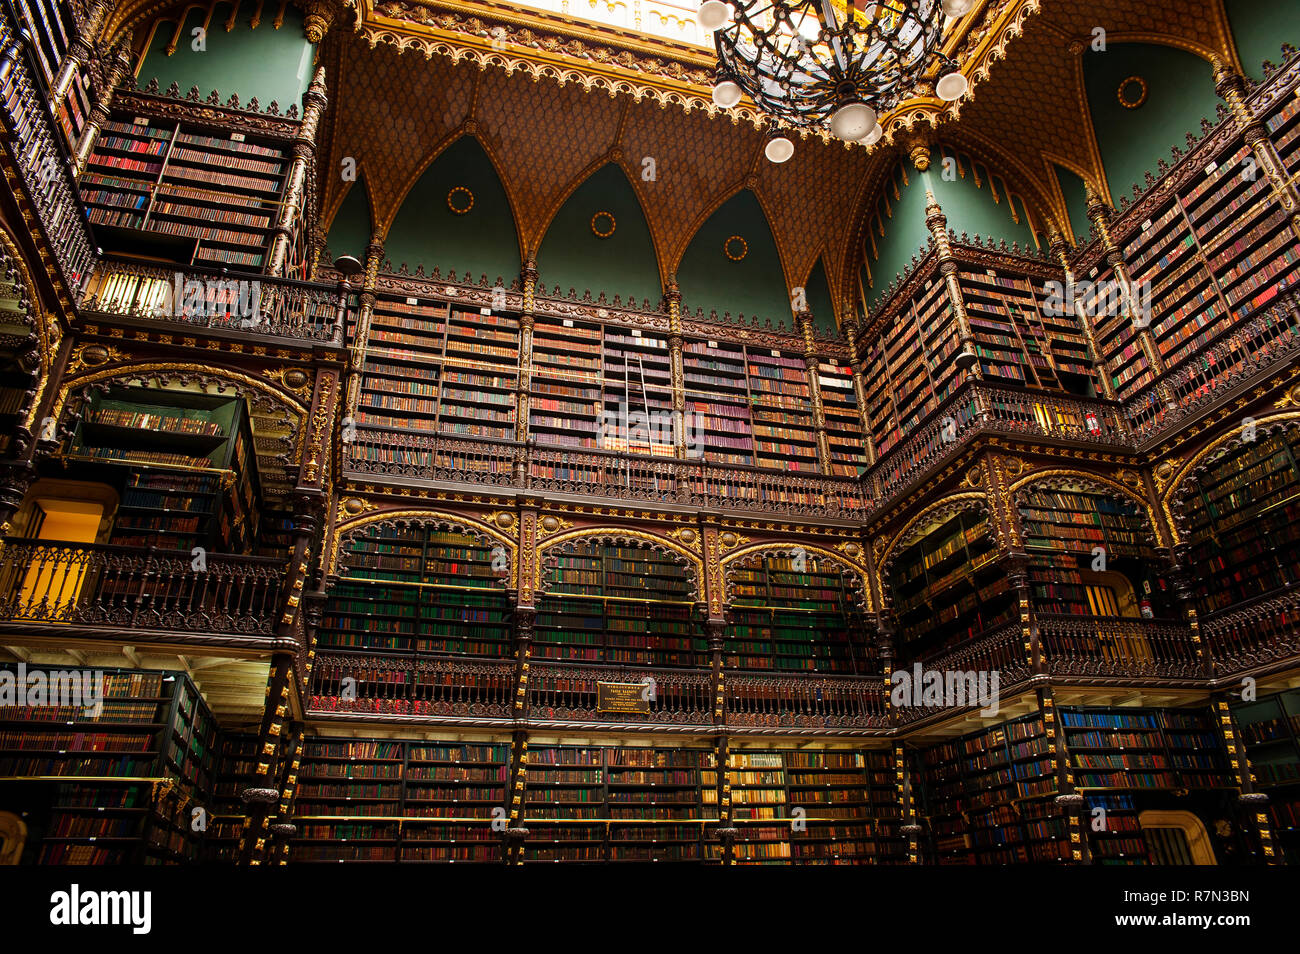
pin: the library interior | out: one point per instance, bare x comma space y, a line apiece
964, 528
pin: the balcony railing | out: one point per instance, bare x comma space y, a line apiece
43, 167
978, 407
96, 585
1112, 646
414, 687
209, 299
811, 702
661, 480
1253, 634
558, 692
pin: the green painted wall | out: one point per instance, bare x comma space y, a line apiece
573, 256
352, 226
426, 232
1259, 28
1076, 201
818, 293
754, 286
969, 208
1180, 93
267, 63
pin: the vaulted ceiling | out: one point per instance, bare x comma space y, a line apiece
553, 98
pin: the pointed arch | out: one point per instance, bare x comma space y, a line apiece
1225, 442
454, 521
350, 206
817, 292
758, 283
694, 565
588, 261
456, 161
747, 555
914, 529
1099, 484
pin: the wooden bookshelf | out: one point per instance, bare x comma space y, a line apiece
844, 434
186, 465
1270, 728
989, 796
90, 778
418, 590
948, 587
567, 401
1243, 518
618, 604
794, 614
236, 769
214, 197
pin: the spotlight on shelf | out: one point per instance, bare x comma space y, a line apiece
349, 266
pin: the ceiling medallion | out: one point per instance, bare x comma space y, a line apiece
735, 254
460, 200
1132, 92
603, 224
811, 64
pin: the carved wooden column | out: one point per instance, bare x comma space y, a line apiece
264, 792
117, 68
361, 333
525, 621
282, 829
318, 17
304, 153
804, 322
857, 364
1099, 214
1181, 579
673, 299
1069, 801
1004, 517
727, 832
1251, 801
1058, 248
528, 274
937, 223
79, 51
1231, 87
911, 827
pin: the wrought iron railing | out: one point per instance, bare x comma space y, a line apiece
473, 688
86, 584
560, 692
222, 301
1257, 633
1115, 646
805, 701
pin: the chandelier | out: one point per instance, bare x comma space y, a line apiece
837, 63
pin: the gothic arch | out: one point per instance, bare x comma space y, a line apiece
1173, 498
1096, 483
708, 212
44, 327
750, 556
693, 564
469, 526
914, 530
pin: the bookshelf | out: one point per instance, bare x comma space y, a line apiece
1144, 749
718, 399
89, 775
1243, 518
564, 795
567, 398
638, 379
793, 613
186, 466
613, 603
843, 423
809, 806
435, 366
654, 803
212, 196
236, 769
989, 796
421, 589
392, 800
948, 587
1270, 728
1090, 554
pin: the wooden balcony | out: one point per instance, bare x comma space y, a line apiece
229, 304
88, 591
382, 455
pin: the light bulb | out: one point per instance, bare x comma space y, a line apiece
956, 8
713, 14
726, 94
950, 87
778, 149
853, 121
